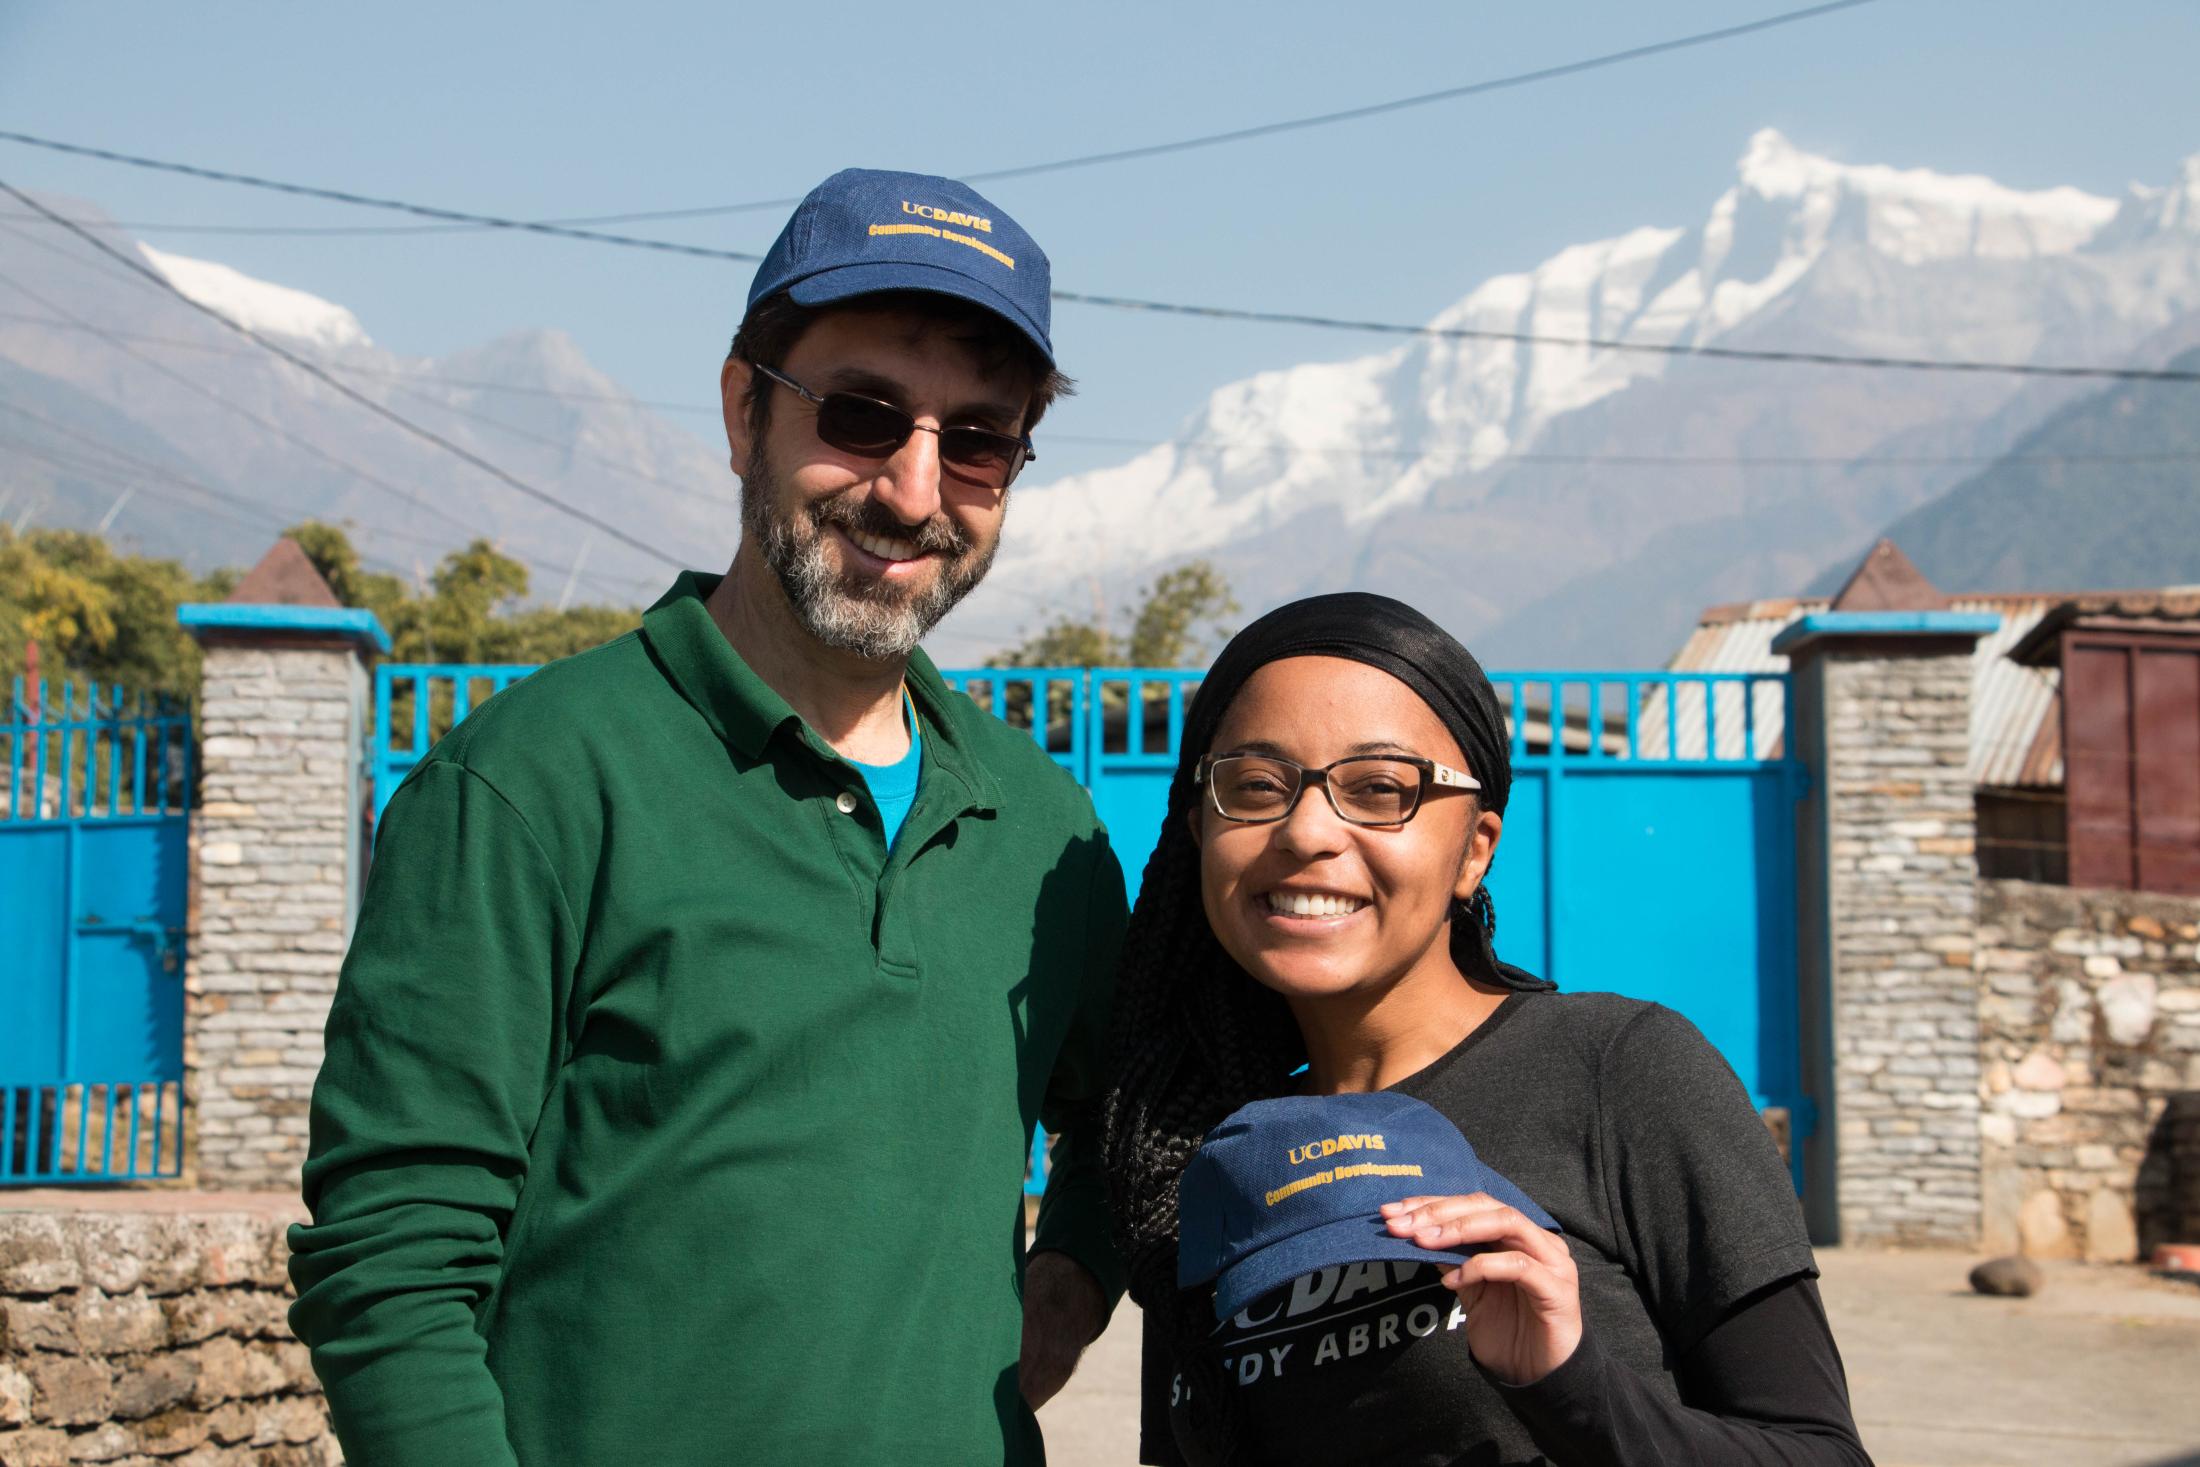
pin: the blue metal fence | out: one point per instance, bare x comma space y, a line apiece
92, 865
1649, 845
417, 703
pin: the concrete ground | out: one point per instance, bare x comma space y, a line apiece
2100, 1369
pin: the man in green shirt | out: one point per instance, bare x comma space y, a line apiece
709, 984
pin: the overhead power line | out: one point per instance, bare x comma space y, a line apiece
1656, 348
352, 369
1447, 94
1636, 460
132, 469
1213, 312
345, 196
458, 220
131, 476
201, 390
320, 374
120, 341
1254, 444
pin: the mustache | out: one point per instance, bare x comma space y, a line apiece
855, 513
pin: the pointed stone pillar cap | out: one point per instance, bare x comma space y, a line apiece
1887, 580
284, 601
1887, 604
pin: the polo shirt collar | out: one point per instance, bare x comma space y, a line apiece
745, 711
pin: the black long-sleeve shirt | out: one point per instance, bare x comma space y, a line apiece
1763, 1388
1705, 1341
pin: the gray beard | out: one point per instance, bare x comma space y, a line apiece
872, 619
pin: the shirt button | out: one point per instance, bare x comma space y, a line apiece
846, 803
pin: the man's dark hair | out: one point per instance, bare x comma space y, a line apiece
774, 324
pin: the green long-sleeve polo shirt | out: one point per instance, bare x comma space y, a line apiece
666, 1117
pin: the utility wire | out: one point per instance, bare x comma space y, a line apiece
1252, 444
1351, 114
351, 369
1216, 313
1026, 170
1656, 348
115, 478
199, 389
685, 491
344, 196
320, 374
1635, 460
263, 515
405, 383
116, 340
268, 514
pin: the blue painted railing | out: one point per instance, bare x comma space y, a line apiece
417, 703
97, 790
1080, 716
93, 753
77, 1132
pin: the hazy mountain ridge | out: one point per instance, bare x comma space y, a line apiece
2033, 523
540, 410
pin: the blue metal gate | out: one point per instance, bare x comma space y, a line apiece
1649, 846
92, 868
1649, 849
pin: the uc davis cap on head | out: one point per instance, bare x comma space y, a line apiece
866, 230
1286, 1187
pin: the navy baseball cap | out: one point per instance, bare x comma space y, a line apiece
866, 230
1287, 1187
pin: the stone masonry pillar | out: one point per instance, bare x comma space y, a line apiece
282, 713
1889, 903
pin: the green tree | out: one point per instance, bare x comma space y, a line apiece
1176, 624
96, 615
1065, 643
111, 618
1179, 613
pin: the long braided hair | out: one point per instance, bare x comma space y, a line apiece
1195, 1036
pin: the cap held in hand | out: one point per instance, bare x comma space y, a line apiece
1285, 1187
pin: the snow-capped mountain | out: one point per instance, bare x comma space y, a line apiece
275, 309
1559, 502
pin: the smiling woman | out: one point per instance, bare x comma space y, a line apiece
1285, 945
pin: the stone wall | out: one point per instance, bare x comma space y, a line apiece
1900, 918
278, 833
2090, 1027
153, 1333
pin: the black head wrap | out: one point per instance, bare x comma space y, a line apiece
1390, 636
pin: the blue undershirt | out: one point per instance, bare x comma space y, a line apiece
894, 786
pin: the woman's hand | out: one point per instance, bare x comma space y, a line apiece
1522, 1296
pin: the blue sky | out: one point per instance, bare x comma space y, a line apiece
562, 109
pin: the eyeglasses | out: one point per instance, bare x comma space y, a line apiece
1367, 789
869, 428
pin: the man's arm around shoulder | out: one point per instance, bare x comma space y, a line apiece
1073, 1278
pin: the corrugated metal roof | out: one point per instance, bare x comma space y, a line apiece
2015, 711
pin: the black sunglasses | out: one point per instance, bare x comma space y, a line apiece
869, 428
